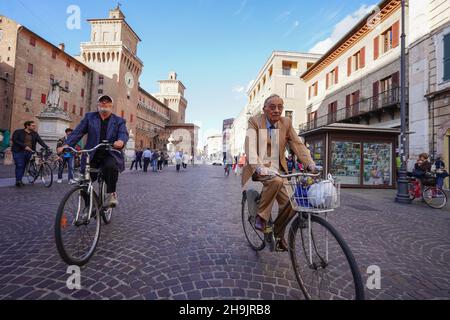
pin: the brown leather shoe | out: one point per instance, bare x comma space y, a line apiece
260, 224
281, 245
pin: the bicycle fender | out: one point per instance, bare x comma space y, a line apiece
253, 197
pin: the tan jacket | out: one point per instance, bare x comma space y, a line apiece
287, 136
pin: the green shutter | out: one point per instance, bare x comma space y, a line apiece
447, 57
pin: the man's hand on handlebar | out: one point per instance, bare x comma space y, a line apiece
118, 145
60, 150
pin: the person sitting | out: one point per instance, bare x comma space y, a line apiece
422, 166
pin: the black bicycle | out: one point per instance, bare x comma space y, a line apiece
78, 220
323, 263
38, 166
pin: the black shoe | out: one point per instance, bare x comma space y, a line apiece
18, 184
281, 246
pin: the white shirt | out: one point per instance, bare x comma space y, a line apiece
147, 154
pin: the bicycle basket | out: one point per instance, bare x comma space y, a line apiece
313, 195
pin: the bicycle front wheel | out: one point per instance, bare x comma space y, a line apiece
106, 212
77, 227
46, 175
434, 197
323, 263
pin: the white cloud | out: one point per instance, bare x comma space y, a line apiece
238, 89
292, 29
241, 8
283, 16
340, 29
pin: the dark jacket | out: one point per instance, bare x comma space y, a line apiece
90, 125
19, 141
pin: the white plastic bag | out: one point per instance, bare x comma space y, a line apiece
323, 195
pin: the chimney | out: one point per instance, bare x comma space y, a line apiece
62, 46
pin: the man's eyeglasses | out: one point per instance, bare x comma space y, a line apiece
273, 108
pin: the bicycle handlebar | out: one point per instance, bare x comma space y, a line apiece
107, 145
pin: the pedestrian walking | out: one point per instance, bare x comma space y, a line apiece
66, 158
155, 157
441, 172
178, 160
137, 160
147, 158
185, 160
160, 161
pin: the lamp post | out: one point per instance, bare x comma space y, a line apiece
402, 183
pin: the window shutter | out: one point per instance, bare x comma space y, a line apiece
336, 75
347, 106
349, 66
396, 34
328, 80
396, 80
447, 57
316, 89
363, 57
375, 94
376, 48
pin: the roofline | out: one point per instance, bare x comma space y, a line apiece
281, 53
342, 40
21, 27
117, 19
169, 80
350, 128
153, 97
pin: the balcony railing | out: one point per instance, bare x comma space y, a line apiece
365, 106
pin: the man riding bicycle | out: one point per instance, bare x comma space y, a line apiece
272, 132
103, 126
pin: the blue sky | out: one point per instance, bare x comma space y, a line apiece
216, 47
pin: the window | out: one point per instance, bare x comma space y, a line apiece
82, 93
332, 112
54, 54
66, 106
30, 68
386, 41
313, 90
288, 68
100, 80
100, 91
290, 92
68, 63
447, 57
122, 114
66, 85
28, 94
74, 109
33, 41
332, 78
270, 72
289, 114
312, 120
76, 68
81, 111
131, 118
43, 98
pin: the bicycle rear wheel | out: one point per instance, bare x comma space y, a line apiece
46, 175
323, 263
76, 234
434, 197
254, 237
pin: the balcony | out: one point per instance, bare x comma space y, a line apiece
363, 109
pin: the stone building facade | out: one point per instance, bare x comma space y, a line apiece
358, 79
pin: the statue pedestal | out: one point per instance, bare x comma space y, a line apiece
52, 126
130, 150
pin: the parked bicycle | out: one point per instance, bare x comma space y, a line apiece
323, 263
37, 167
431, 194
77, 224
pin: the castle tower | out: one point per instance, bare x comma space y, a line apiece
112, 54
171, 93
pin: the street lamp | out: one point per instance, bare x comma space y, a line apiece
402, 183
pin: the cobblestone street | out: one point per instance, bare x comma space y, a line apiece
180, 236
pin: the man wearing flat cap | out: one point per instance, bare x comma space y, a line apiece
102, 126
